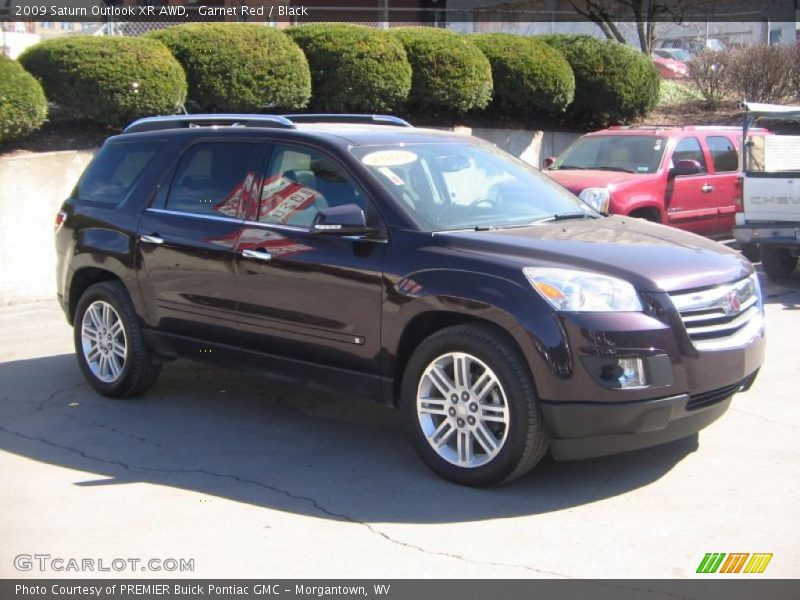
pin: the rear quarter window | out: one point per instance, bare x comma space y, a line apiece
114, 170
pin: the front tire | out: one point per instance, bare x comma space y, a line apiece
470, 407
778, 263
109, 344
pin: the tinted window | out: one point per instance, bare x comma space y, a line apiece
689, 149
211, 178
723, 154
299, 182
114, 170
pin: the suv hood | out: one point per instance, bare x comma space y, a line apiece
652, 257
576, 180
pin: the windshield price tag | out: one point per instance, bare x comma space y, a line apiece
389, 158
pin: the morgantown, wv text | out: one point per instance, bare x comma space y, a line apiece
196, 590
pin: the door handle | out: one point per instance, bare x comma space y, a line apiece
258, 254
151, 239
707, 188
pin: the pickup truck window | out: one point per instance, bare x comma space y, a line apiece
723, 153
689, 149
629, 153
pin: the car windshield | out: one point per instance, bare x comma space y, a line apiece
627, 153
674, 53
469, 185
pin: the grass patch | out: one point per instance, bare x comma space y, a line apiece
675, 92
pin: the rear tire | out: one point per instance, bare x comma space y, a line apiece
778, 263
480, 428
109, 344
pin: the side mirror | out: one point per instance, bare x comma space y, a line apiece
347, 219
548, 162
686, 167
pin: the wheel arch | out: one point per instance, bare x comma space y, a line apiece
649, 211
426, 323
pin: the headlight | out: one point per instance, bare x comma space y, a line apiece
597, 198
583, 291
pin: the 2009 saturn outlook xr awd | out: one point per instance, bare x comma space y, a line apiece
424, 269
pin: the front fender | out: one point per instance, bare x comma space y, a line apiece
513, 307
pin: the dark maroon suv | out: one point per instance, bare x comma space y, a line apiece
427, 270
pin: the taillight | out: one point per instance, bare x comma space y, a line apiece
738, 193
61, 216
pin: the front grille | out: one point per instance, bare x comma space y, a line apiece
722, 316
712, 397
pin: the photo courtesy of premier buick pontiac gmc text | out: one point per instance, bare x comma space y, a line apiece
430, 271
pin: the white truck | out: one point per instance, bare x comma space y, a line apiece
770, 218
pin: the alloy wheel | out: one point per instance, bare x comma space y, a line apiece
103, 341
462, 409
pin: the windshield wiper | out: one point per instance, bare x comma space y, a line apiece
566, 217
561, 167
624, 170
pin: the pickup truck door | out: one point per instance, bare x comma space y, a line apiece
689, 198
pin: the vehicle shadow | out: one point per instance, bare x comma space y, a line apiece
784, 291
246, 438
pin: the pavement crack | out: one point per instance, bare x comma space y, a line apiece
757, 416
313, 502
56, 394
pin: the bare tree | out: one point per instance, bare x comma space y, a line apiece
645, 14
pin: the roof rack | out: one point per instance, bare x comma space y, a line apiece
348, 118
209, 120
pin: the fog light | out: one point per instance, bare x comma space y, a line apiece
626, 372
632, 372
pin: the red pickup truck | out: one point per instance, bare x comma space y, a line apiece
687, 177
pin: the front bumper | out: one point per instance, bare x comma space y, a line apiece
687, 389
583, 430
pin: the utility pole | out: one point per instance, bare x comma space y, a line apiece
383, 5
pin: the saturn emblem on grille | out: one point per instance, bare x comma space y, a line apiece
730, 303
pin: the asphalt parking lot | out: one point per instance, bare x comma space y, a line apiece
248, 476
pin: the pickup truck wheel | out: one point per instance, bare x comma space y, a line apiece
470, 407
778, 263
109, 344
751, 252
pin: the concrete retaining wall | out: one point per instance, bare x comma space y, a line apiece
531, 146
32, 187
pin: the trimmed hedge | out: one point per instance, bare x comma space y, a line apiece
449, 73
613, 82
108, 80
239, 67
354, 68
23, 107
531, 79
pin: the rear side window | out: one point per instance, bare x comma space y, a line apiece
114, 171
723, 154
211, 178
